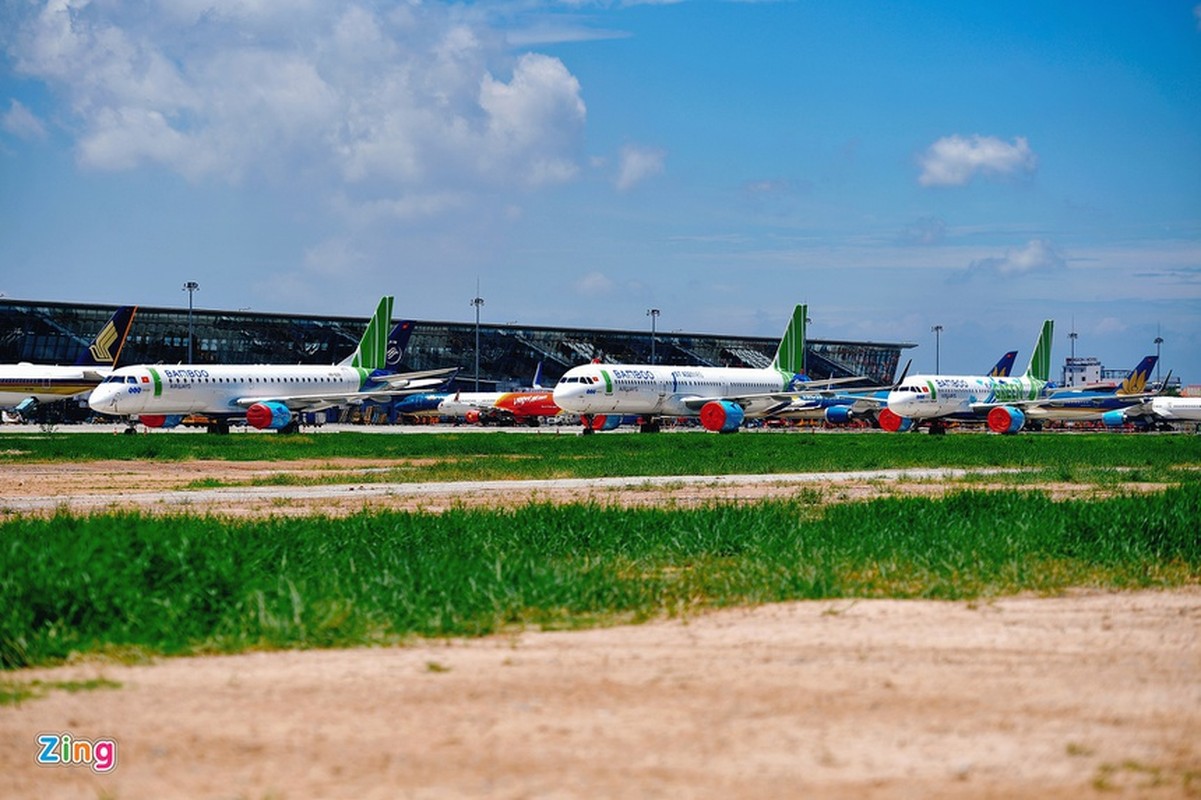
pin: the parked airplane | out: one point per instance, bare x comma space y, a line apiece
721, 396
840, 408
525, 407
24, 385
265, 395
1096, 402
1156, 410
937, 398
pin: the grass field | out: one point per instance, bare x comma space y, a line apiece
127, 585
498, 456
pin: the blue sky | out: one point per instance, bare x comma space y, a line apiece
896, 165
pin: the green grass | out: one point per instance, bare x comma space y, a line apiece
170, 585
499, 456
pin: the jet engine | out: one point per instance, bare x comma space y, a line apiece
1114, 419
722, 416
893, 422
160, 420
605, 422
839, 415
1006, 419
272, 415
472, 416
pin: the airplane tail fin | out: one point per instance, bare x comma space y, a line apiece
790, 355
372, 352
1136, 381
398, 340
1005, 366
1040, 358
105, 349
537, 384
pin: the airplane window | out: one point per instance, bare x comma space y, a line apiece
131, 379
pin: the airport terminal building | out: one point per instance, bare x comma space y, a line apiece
57, 333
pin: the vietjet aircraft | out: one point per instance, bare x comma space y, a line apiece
265, 395
721, 396
937, 398
526, 407
24, 385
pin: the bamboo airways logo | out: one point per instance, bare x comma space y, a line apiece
64, 750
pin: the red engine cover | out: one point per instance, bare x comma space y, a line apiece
890, 420
153, 420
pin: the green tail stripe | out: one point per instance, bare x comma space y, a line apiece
790, 355
372, 350
1040, 359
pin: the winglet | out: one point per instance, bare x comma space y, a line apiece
1040, 358
790, 355
105, 349
373, 347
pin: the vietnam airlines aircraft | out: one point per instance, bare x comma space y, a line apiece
24, 385
265, 395
1091, 403
933, 399
721, 396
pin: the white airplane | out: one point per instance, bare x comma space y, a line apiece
1156, 410
933, 399
265, 395
721, 396
24, 385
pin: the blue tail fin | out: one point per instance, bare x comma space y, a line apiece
1005, 366
398, 340
1136, 381
105, 349
537, 384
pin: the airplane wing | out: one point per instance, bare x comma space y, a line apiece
399, 385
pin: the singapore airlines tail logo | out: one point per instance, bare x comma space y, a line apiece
101, 349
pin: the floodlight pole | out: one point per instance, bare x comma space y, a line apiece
477, 301
653, 313
190, 287
937, 335
1158, 342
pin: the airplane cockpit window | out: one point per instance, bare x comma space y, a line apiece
131, 379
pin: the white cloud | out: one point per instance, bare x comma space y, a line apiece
638, 164
21, 122
402, 98
1038, 255
594, 283
955, 160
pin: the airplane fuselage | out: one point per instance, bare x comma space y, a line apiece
958, 396
1176, 409
217, 390
657, 390
20, 382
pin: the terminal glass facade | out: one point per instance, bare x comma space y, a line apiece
58, 333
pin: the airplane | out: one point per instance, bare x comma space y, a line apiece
24, 385
1157, 410
933, 399
525, 407
841, 408
266, 396
721, 396
1096, 401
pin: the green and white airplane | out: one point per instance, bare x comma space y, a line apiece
934, 399
268, 396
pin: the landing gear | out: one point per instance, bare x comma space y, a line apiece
649, 425
938, 428
586, 421
219, 427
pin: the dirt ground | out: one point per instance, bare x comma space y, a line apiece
1088, 695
